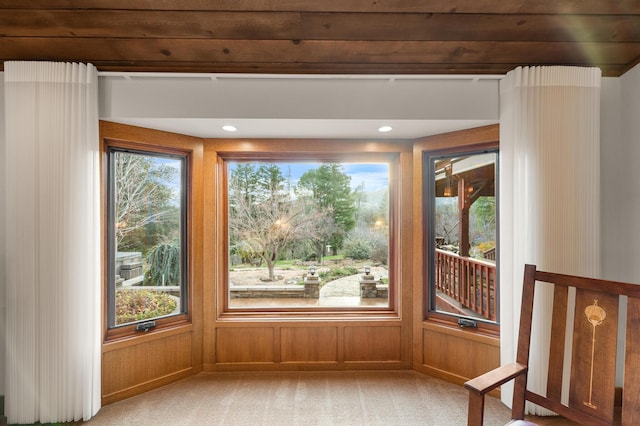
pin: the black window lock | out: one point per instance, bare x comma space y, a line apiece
145, 326
464, 322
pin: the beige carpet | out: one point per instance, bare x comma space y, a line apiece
301, 398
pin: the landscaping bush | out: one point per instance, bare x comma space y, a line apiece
335, 273
136, 305
358, 249
380, 252
363, 244
164, 261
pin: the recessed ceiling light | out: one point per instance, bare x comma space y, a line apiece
229, 128
385, 129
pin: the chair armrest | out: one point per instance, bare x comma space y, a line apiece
496, 377
485, 383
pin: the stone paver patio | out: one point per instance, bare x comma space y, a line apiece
343, 292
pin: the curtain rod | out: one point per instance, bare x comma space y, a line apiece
355, 77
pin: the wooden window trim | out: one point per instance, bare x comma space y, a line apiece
162, 323
463, 141
292, 150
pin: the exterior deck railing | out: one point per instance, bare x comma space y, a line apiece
470, 282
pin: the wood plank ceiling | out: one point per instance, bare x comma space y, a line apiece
324, 36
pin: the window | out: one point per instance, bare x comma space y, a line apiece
308, 235
462, 236
147, 255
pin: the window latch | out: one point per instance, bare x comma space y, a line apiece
464, 322
145, 326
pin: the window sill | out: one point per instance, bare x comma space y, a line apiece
483, 331
306, 315
115, 342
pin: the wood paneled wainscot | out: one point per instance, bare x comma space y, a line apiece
457, 355
293, 346
366, 344
309, 344
133, 367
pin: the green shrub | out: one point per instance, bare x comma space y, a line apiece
358, 249
164, 261
136, 305
380, 253
335, 273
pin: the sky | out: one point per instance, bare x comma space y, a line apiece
375, 176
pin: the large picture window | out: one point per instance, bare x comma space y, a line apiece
307, 235
147, 257
461, 220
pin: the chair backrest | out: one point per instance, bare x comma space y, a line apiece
591, 338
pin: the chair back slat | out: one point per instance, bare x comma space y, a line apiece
526, 315
593, 360
630, 400
557, 346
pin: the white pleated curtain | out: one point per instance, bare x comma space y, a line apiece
549, 195
52, 242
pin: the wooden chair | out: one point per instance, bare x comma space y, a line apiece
593, 355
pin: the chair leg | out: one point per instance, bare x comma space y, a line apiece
519, 389
475, 415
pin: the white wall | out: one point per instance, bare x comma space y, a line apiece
629, 200
620, 182
3, 307
620, 185
611, 150
300, 106
298, 97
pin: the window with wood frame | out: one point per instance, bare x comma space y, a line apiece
147, 201
461, 236
308, 234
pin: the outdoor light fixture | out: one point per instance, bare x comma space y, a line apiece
447, 189
367, 270
312, 270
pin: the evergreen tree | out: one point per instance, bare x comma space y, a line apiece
331, 189
243, 182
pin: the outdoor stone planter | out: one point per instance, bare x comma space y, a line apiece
368, 286
382, 290
312, 287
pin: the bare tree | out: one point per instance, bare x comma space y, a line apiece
324, 226
446, 220
272, 221
266, 228
142, 193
